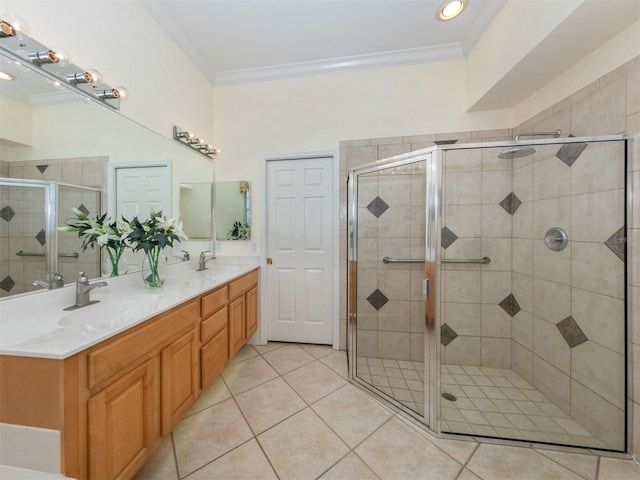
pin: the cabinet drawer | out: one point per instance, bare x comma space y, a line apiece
239, 286
214, 357
115, 356
214, 301
214, 324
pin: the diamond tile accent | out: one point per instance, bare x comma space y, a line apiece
616, 243
377, 299
447, 334
445, 142
83, 209
7, 213
7, 283
510, 305
41, 237
42, 168
511, 203
570, 152
447, 237
377, 207
571, 332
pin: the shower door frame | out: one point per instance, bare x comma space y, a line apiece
430, 355
434, 157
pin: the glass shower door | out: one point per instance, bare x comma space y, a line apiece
387, 269
532, 293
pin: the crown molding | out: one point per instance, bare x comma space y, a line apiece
341, 64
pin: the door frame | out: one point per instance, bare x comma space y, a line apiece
335, 236
112, 176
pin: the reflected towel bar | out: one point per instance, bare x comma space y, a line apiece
483, 260
402, 260
27, 254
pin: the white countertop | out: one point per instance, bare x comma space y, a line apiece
36, 325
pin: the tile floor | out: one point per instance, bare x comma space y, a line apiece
286, 411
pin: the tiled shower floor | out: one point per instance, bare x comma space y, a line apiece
492, 402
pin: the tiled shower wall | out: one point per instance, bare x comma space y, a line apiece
22, 221
391, 217
609, 105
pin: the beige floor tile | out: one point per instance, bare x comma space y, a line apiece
317, 351
247, 462
245, 375
337, 361
498, 462
583, 465
460, 450
262, 349
245, 353
617, 469
397, 451
352, 414
205, 436
314, 381
302, 446
288, 358
468, 475
350, 467
215, 393
161, 465
268, 404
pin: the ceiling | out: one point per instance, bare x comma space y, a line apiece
242, 39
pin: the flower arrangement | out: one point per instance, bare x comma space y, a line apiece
152, 236
238, 231
101, 230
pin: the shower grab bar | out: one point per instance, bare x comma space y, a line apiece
483, 260
402, 260
20, 253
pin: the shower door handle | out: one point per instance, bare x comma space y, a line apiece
483, 260
402, 260
425, 289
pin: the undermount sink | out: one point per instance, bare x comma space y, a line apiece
113, 313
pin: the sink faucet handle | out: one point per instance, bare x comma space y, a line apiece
202, 253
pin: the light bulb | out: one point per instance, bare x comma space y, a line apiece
450, 9
12, 26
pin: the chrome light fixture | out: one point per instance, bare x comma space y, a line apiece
53, 63
198, 144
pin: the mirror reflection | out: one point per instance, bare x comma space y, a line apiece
54, 141
233, 210
196, 210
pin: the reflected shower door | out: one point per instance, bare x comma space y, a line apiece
532, 343
387, 271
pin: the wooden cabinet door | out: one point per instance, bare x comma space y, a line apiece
251, 320
180, 379
236, 325
215, 354
124, 425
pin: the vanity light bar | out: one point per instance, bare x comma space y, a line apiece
198, 144
54, 63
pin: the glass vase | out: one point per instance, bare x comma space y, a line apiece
115, 263
154, 267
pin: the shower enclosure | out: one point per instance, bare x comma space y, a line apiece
487, 288
31, 249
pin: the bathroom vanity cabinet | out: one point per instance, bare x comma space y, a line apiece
115, 401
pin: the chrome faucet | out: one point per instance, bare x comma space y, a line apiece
55, 281
202, 263
83, 287
185, 256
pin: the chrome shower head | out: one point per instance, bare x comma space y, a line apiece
517, 152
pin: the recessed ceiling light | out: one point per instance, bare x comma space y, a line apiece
6, 76
450, 9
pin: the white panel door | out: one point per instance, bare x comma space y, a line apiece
299, 242
140, 188
137, 190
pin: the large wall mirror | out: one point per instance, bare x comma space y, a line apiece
233, 210
57, 151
